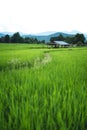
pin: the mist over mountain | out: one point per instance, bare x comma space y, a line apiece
47, 35
44, 35
72, 32
2, 34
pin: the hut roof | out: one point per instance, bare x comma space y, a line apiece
61, 42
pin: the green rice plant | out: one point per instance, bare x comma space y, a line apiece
46, 96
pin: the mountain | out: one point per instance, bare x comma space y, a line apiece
1, 34
5, 33
46, 33
47, 36
72, 32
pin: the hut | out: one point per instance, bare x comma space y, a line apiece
57, 44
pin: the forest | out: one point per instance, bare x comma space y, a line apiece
78, 39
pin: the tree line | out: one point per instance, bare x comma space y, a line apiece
78, 39
16, 38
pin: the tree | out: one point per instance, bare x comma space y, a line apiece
43, 41
2, 39
52, 39
76, 39
60, 37
26, 39
79, 37
7, 38
79, 43
16, 38
70, 39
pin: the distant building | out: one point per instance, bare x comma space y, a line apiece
57, 44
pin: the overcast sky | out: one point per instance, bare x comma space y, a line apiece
34, 16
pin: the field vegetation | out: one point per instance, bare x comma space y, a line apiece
42, 89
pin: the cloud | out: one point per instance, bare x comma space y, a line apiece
43, 15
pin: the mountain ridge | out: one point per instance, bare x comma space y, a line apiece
47, 37
42, 36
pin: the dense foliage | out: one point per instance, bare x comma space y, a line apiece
16, 38
78, 39
75, 39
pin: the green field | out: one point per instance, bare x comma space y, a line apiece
43, 89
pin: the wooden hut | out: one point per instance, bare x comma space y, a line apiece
57, 44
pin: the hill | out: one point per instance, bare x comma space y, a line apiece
2, 34
47, 37
42, 36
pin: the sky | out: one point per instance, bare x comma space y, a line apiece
35, 16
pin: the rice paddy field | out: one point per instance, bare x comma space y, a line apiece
43, 89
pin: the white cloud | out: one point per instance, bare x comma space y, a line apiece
34, 16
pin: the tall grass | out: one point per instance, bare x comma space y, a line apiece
15, 56
52, 96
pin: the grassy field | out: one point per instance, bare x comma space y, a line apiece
43, 89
